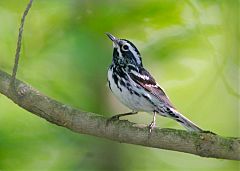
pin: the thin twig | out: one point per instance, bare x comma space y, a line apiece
19, 42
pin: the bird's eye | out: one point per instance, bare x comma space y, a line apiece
125, 48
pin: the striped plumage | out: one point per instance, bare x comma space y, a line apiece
136, 88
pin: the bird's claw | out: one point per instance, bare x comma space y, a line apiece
113, 118
209, 132
151, 126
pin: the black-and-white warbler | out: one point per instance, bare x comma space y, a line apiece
136, 88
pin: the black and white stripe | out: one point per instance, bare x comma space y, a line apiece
136, 88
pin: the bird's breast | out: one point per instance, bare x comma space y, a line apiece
127, 93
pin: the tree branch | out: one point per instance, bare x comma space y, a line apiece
202, 144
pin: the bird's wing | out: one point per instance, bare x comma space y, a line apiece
145, 80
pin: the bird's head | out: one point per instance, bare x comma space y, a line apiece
125, 52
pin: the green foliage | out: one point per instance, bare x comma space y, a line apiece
189, 46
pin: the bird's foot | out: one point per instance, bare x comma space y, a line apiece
114, 118
151, 126
209, 132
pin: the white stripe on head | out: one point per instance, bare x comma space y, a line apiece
119, 52
135, 53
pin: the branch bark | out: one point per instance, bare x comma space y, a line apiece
202, 144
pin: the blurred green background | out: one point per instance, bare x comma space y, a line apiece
191, 47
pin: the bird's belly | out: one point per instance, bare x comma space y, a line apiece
136, 102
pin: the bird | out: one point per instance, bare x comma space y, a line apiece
136, 88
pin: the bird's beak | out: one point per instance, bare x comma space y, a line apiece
113, 39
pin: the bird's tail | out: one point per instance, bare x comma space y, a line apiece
185, 122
